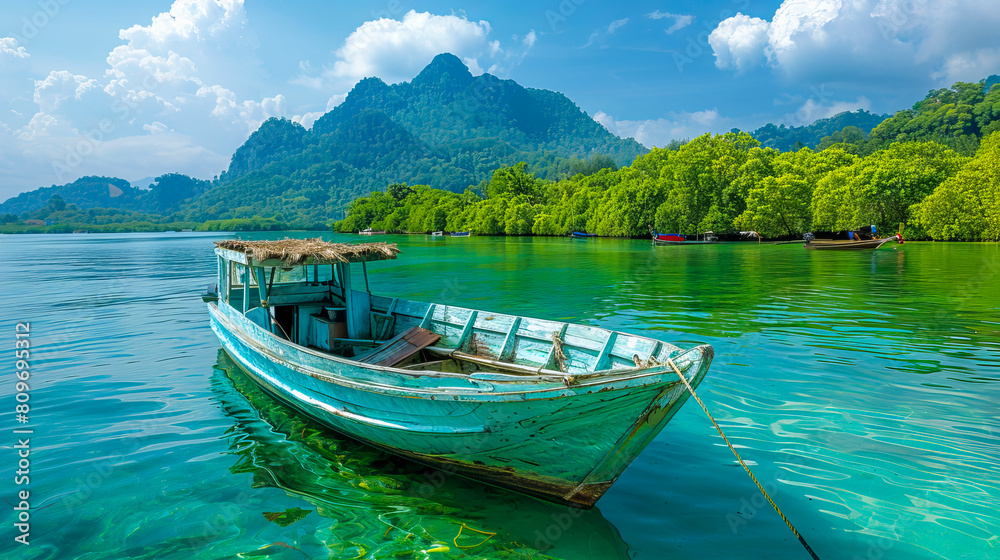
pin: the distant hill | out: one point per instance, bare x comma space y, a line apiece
789, 138
85, 193
958, 117
168, 194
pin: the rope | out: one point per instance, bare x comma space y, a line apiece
640, 364
488, 534
740, 459
557, 351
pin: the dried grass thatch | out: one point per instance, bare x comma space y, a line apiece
293, 252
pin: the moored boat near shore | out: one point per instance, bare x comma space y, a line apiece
681, 239
549, 408
852, 244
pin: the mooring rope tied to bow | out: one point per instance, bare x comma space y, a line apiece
488, 534
740, 459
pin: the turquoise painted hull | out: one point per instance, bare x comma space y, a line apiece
562, 437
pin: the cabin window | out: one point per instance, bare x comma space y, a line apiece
289, 275
238, 273
300, 274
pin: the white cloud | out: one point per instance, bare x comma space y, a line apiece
680, 21
16, 85
189, 20
531, 37
616, 25
659, 132
307, 119
601, 34
738, 42
10, 50
858, 40
813, 110
970, 66
395, 50
59, 87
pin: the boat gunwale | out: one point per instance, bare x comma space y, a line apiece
601, 380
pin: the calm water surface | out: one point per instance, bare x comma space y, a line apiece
863, 389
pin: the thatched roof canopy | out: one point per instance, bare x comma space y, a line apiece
291, 252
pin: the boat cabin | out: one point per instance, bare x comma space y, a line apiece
303, 290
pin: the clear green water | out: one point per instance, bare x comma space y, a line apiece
864, 390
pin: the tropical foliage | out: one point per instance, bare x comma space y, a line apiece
722, 183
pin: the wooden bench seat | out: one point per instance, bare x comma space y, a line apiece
399, 348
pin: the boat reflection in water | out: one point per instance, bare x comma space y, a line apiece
371, 504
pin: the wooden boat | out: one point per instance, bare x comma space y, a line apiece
581, 235
852, 245
370, 231
459, 234
553, 409
681, 239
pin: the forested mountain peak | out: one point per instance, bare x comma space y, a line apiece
275, 140
446, 69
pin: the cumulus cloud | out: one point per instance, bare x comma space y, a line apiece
739, 42
10, 50
863, 39
680, 21
676, 126
395, 50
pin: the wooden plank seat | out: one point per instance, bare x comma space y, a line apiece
399, 348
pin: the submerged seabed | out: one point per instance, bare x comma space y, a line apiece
862, 389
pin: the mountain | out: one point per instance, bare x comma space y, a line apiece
445, 128
787, 138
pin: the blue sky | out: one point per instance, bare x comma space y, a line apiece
137, 89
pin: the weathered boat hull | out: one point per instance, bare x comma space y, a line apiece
661, 242
564, 439
868, 244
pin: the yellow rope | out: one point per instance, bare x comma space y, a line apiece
740, 459
464, 526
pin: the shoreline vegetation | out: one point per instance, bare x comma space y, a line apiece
721, 183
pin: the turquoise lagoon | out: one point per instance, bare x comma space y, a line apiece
862, 388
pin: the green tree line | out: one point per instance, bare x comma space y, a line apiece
723, 182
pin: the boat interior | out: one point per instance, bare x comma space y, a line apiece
329, 308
